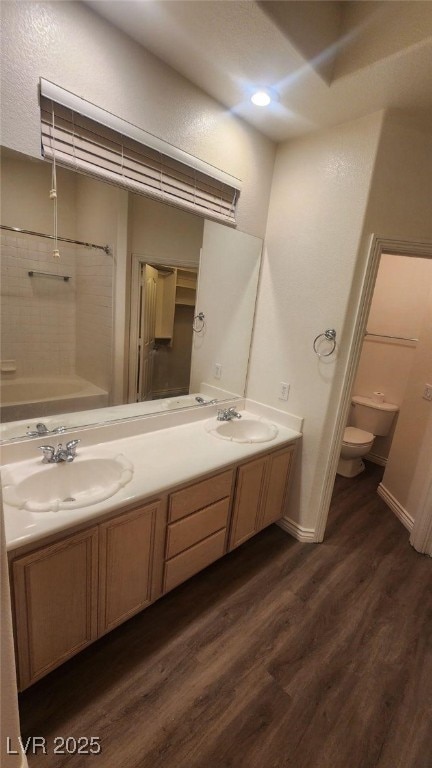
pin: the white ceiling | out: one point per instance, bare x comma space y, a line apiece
329, 61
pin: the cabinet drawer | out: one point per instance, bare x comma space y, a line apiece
193, 560
199, 495
188, 531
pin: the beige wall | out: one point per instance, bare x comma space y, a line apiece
163, 233
412, 446
94, 316
400, 201
400, 299
171, 372
25, 203
97, 215
319, 197
68, 44
400, 208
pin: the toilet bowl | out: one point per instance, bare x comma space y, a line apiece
368, 419
356, 444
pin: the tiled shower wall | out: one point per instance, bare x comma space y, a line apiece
53, 327
37, 313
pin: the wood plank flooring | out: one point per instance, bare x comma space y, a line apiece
281, 655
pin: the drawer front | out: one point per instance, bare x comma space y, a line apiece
193, 560
190, 530
199, 495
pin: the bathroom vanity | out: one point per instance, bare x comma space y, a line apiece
72, 585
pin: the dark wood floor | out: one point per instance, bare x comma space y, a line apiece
282, 654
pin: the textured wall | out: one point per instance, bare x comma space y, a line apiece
400, 207
163, 233
68, 44
319, 197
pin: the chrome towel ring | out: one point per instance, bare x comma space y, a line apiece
330, 336
198, 322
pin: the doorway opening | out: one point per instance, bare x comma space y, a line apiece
401, 453
163, 299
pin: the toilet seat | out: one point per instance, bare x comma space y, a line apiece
356, 436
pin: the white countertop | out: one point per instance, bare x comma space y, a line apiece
161, 459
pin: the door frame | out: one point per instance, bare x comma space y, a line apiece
136, 260
377, 246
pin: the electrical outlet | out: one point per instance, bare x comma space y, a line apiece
283, 390
218, 371
427, 392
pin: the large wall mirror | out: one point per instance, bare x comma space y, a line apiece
161, 319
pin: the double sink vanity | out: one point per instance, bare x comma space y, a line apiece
144, 505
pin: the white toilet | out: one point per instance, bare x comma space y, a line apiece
367, 420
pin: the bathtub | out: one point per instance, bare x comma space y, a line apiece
33, 396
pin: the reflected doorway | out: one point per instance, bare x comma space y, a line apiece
163, 299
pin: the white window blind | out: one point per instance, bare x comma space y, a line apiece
95, 148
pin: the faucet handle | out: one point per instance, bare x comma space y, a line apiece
71, 447
48, 453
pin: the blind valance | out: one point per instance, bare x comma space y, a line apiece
88, 146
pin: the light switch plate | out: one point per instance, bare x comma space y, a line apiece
283, 390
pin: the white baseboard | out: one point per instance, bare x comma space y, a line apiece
376, 459
306, 535
396, 507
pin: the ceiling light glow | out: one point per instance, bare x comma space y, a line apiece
261, 98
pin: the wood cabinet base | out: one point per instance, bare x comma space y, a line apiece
69, 593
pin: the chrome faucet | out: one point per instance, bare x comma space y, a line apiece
53, 455
42, 429
226, 414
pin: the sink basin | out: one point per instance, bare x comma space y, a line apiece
51, 487
244, 430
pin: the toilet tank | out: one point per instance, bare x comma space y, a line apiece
371, 416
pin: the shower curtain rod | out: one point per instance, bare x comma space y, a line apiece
385, 336
105, 248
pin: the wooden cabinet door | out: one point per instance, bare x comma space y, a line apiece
277, 476
247, 502
55, 594
130, 564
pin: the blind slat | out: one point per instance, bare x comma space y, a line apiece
94, 149
129, 168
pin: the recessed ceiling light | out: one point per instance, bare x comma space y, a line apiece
263, 97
